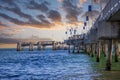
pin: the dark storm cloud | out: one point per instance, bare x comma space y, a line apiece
42, 7
54, 16
72, 10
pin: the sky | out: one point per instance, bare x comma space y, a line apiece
45, 19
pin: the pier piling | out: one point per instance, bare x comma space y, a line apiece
98, 51
109, 55
19, 46
116, 51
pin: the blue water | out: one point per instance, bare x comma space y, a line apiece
46, 65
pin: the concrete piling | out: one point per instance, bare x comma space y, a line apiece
31, 47
109, 55
39, 46
98, 51
19, 46
116, 51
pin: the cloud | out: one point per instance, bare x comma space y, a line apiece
7, 1
11, 19
32, 22
9, 32
13, 7
42, 7
5, 35
17, 11
60, 0
2, 24
74, 24
54, 16
81, 2
72, 10
8, 40
50, 19
101, 2
43, 19
92, 14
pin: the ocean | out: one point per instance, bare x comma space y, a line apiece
50, 65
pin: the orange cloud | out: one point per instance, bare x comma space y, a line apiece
81, 2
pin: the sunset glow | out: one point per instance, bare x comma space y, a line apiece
44, 19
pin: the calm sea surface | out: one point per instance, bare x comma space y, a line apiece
50, 65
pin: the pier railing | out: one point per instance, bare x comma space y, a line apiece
111, 8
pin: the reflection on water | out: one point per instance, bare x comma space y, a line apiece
50, 65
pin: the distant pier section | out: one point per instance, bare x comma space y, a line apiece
41, 45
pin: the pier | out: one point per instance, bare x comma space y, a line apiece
40, 45
103, 37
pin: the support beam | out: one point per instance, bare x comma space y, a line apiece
39, 46
104, 48
78, 49
116, 51
92, 50
54, 46
19, 46
98, 51
88, 49
31, 46
109, 55
95, 48
69, 49
85, 48
73, 49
